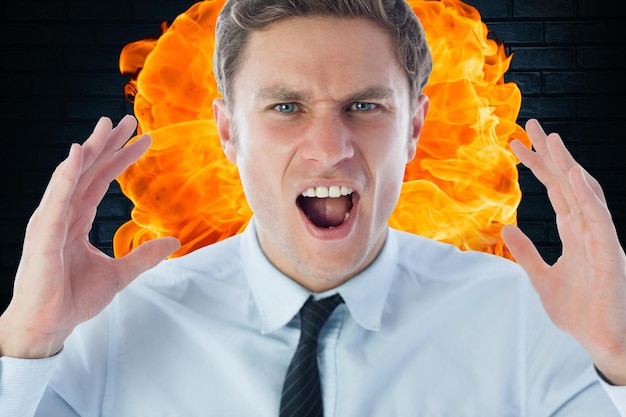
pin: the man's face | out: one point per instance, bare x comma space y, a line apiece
321, 107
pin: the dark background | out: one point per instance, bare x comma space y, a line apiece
58, 75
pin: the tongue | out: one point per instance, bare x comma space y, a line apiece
326, 212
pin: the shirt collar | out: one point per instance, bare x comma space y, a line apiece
279, 298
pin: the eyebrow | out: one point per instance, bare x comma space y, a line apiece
279, 94
283, 94
371, 93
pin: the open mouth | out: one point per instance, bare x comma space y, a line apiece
326, 207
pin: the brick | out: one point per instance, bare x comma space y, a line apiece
104, 59
621, 230
14, 84
601, 107
106, 229
13, 231
528, 82
612, 182
49, 85
536, 231
34, 182
45, 159
81, 85
597, 131
549, 253
20, 109
39, 34
535, 209
119, 35
34, 10
32, 59
583, 82
57, 133
585, 32
115, 190
15, 214
11, 186
98, 10
553, 233
547, 108
106, 249
601, 8
544, 9
7, 276
92, 109
490, 9
526, 58
602, 57
530, 185
617, 205
604, 157
143, 10
114, 207
518, 32
9, 256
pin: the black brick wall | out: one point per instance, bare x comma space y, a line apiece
58, 75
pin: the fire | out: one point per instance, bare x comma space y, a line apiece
462, 187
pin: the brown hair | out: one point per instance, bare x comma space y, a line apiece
240, 17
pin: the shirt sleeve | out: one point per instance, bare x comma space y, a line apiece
562, 380
22, 384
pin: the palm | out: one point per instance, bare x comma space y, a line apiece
584, 292
62, 279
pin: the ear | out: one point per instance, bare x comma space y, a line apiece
223, 122
417, 123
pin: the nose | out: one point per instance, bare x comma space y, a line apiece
328, 141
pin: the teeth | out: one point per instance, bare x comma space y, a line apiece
333, 191
321, 192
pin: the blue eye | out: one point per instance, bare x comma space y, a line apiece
362, 106
286, 107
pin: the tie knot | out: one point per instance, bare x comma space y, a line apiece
314, 314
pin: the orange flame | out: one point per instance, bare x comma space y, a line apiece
462, 187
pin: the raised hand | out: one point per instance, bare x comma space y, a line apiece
584, 292
62, 279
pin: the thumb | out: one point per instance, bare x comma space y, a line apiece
524, 251
144, 257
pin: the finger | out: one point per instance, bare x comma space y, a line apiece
49, 220
106, 139
94, 144
127, 156
563, 163
537, 135
563, 159
144, 257
99, 178
595, 186
550, 164
537, 160
531, 161
121, 133
524, 252
593, 206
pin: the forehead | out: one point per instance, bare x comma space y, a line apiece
324, 56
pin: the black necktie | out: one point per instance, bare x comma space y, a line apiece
302, 394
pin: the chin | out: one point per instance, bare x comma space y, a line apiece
330, 272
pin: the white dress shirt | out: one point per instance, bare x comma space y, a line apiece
426, 330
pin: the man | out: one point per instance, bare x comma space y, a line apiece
322, 110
